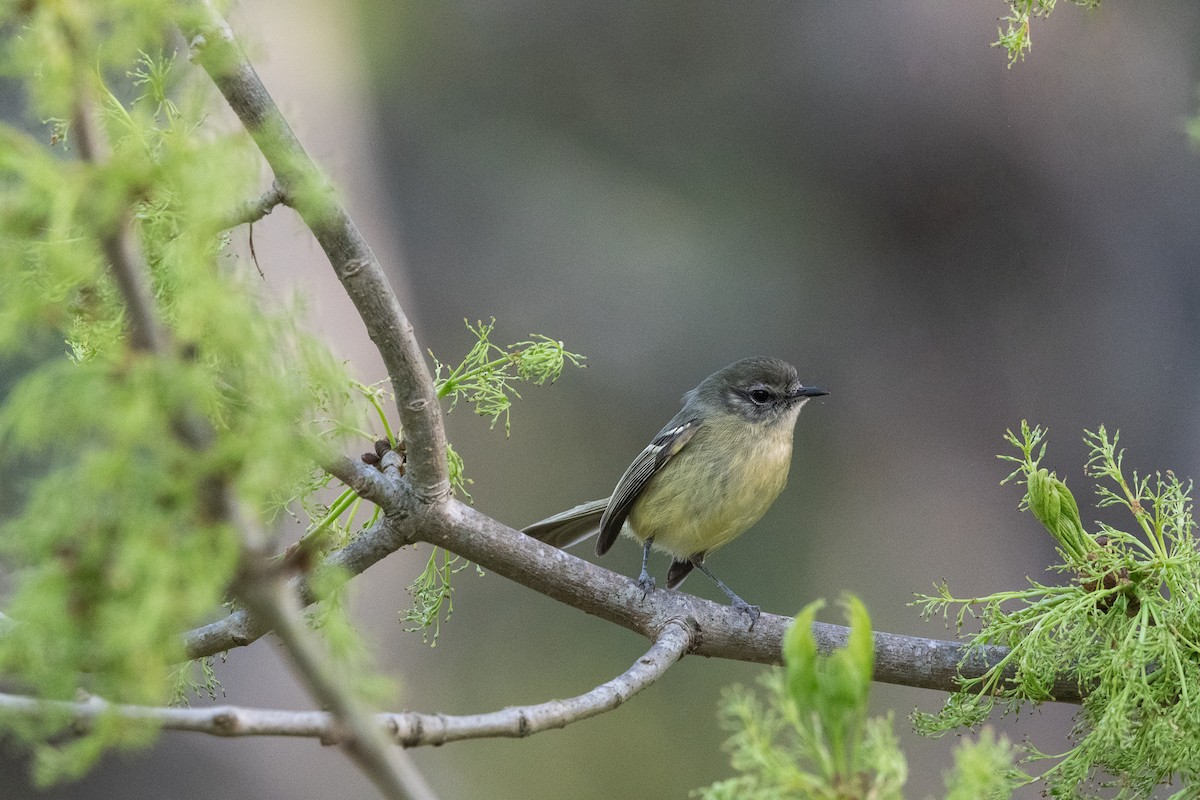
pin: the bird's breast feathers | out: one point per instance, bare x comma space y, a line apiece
715, 488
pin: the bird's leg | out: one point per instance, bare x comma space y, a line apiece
646, 580
737, 602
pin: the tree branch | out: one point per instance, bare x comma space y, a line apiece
722, 631
409, 729
255, 210
242, 628
381, 486
215, 48
121, 249
443, 522
357, 733
671, 644
259, 584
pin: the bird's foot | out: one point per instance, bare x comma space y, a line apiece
645, 582
754, 612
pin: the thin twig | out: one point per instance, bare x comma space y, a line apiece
146, 333
216, 49
241, 628
254, 210
408, 728
669, 646
377, 485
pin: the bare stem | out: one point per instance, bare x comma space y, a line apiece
255, 210
408, 729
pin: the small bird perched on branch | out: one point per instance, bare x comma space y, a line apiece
709, 474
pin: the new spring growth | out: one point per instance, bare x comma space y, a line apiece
1053, 504
830, 693
486, 375
1126, 631
1048, 497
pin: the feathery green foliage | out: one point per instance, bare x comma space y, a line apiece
116, 548
808, 737
983, 769
1014, 35
486, 374
484, 379
196, 678
1125, 622
432, 594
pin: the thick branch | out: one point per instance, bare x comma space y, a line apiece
216, 49
722, 632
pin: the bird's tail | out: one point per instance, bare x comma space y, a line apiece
571, 526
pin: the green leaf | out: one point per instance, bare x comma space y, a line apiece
800, 658
810, 737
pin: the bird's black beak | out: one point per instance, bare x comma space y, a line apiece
809, 391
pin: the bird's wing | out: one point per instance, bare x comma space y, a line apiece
656, 455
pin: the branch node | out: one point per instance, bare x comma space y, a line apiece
226, 722
353, 267
254, 210
241, 638
688, 624
438, 493
414, 732
392, 726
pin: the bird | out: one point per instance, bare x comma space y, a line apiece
705, 479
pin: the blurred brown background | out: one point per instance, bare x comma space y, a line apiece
863, 189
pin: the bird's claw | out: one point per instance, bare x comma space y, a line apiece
743, 607
645, 582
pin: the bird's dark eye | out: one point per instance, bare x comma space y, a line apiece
760, 396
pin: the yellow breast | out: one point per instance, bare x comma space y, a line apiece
718, 486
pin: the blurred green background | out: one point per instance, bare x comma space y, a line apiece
863, 189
